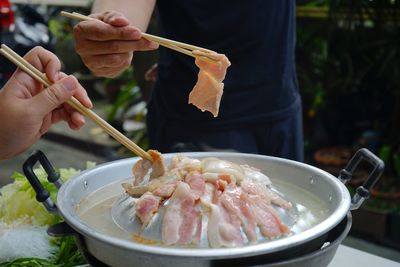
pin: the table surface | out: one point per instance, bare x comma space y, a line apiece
347, 256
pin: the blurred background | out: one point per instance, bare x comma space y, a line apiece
348, 66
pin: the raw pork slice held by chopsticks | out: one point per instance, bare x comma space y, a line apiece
207, 93
142, 167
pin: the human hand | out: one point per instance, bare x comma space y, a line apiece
106, 45
27, 109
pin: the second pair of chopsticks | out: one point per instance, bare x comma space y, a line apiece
42, 78
171, 44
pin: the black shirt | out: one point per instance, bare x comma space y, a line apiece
258, 37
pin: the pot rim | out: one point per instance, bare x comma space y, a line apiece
280, 244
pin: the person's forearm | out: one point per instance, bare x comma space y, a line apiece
137, 11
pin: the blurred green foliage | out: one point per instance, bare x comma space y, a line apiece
126, 104
61, 29
348, 64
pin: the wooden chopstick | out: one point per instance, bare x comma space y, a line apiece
171, 44
157, 39
42, 78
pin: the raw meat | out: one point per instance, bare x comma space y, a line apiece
207, 93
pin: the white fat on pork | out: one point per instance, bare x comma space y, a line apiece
181, 224
219, 179
207, 93
223, 228
255, 175
222, 167
183, 165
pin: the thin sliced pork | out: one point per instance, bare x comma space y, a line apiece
223, 228
269, 222
207, 93
181, 224
271, 197
165, 190
142, 167
235, 201
180, 162
160, 184
254, 175
146, 206
223, 167
197, 184
279, 201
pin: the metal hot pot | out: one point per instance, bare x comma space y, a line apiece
316, 245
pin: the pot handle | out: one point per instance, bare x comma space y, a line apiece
362, 192
42, 195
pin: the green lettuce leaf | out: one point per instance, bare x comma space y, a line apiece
18, 199
18, 205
